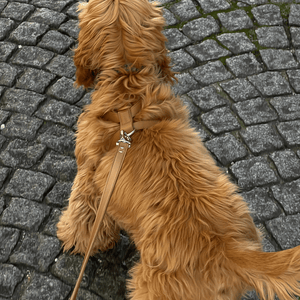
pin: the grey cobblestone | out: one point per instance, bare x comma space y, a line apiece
207, 50
213, 5
237, 43
10, 276
254, 172
2, 203
220, 120
262, 206
295, 33
5, 26
64, 90
3, 174
2, 4
235, 20
278, 59
185, 10
181, 60
255, 111
59, 194
200, 28
86, 295
50, 228
32, 57
261, 138
244, 65
17, 11
227, 149
169, 17
273, 37
28, 33
210, 73
294, 16
30, 185
207, 98
288, 108
8, 74
176, 39
290, 131
19, 154
6, 49
285, 230
294, 79
239, 89
48, 17
57, 5
73, 13
45, 288
58, 112
288, 195
24, 214
185, 83
4, 116
268, 14
71, 28
270, 84
8, 240
193, 110
287, 164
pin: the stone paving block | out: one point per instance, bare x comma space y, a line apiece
6, 49
35, 80
60, 194
10, 276
270, 84
227, 149
254, 172
175, 38
32, 57
272, 37
220, 120
207, 50
19, 154
8, 74
50, 227
45, 288
6, 25
48, 17
2, 4
67, 268
56, 41
193, 110
71, 28
37, 251
294, 16
287, 164
207, 98
295, 33
22, 126
8, 240
64, 90
235, 20
288, 195
28, 33
278, 59
29, 184
290, 131
254, 2
86, 295
57, 5
200, 28
24, 214
62, 66
58, 139
2, 204
244, 65
268, 14
58, 112
261, 138
17, 11
213, 5
255, 111
210, 73
261, 205
3, 175
4, 116
185, 10
181, 60
294, 79
73, 10
239, 89
185, 83
169, 17
237, 43
288, 108
286, 230
21, 101
59, 166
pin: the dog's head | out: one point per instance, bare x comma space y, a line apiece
117, 35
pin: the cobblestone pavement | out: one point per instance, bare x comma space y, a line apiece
239, 76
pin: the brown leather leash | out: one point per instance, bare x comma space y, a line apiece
125, 118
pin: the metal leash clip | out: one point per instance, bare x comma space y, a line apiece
125, 138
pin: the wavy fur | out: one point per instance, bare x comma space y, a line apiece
193, 230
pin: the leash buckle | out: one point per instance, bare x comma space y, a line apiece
125, 138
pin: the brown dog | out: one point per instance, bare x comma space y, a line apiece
196, 238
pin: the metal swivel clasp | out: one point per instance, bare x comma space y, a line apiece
125, 138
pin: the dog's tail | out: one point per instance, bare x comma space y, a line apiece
269, 273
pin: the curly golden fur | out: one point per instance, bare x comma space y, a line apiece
196, 238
